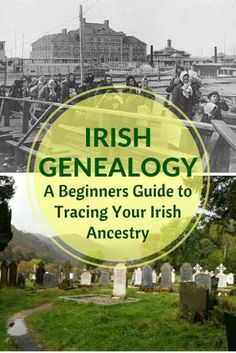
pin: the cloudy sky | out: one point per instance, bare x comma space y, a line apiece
22, 215
195, 26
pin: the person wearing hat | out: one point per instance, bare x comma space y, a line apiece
182, 95
69, 88
220, 104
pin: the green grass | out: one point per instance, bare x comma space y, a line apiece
148, 325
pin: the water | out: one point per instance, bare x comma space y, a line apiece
17, 329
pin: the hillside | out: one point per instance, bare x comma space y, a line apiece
27, 246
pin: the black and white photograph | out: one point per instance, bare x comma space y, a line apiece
182, 50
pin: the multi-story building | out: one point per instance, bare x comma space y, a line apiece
101, 45
169, 57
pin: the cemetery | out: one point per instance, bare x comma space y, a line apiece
78, 308
185, 301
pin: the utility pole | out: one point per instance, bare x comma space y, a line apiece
5, 73
81, 45
22, 55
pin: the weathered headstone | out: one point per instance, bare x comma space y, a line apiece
166, 277
138, 277
193, 300
86, 279
104, 278
12, 274
173, 275
39, 273
119, 286
203, 279
154, 277
50, 280
214, 283
230, 278
21, 281
186, 272
146, 277
65, 282
222, 276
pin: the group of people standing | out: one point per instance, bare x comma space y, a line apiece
186, 95
183, 90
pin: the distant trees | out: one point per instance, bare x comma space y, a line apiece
6, 193
214, 240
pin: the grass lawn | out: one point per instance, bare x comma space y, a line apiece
148, 325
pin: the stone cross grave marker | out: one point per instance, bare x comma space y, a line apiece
186, 272
222, 276
119, 285
197, 268
166, 276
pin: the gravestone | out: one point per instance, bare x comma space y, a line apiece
230, 324
214, 283
186, 272
12, 274
203, 279
166, 277
230, 278
4, 274
50, 280
173, 275
132, 278
154, 277
119, 286
197, 268
222, 276
86, 279
138, 277
39, 273
21, 281
193, 301
66, 274
234, 279
93, 277
104, 278
146, 277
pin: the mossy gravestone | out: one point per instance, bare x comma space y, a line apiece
186, 272
193, 301
146, 277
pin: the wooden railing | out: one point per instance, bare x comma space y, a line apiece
221, 137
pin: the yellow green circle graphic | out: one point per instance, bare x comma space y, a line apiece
117, 177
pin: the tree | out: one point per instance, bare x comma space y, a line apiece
7, 191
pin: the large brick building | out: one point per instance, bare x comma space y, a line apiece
102, 45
